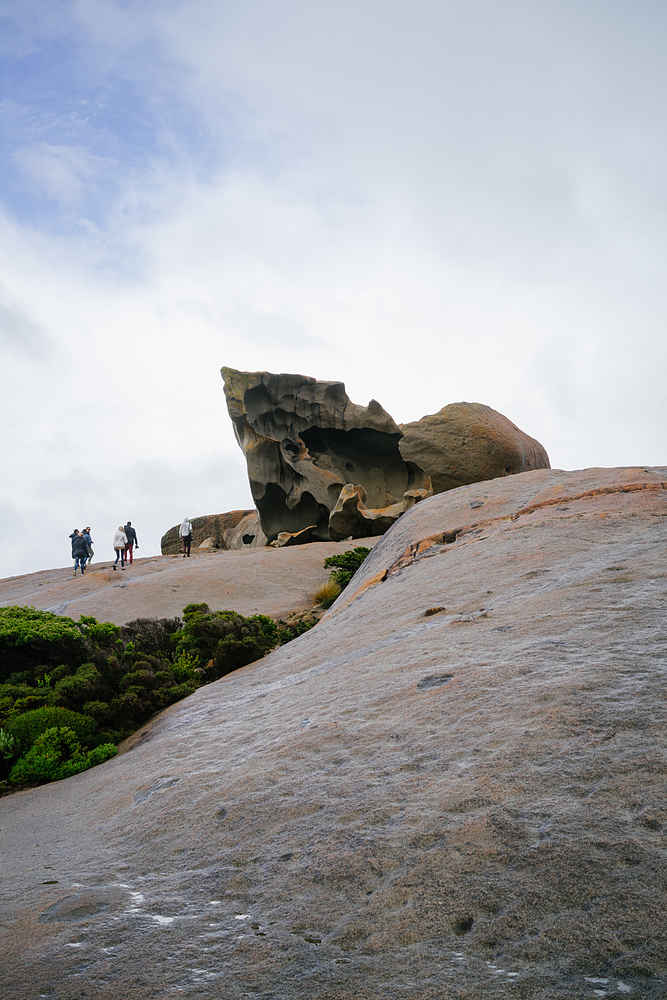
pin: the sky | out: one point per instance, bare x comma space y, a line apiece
428, 201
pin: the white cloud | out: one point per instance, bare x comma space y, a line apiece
437, 203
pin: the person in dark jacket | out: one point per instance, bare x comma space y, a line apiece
132, 540
79, 551
89, 544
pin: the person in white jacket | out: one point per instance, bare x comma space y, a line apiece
185, 531
119, 543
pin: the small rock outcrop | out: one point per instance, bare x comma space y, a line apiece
208, 532
247, 534
467, 443
304, 441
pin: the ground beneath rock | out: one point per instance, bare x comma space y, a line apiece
257, 581
452, 787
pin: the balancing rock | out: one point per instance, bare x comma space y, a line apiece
467, 443
304, 440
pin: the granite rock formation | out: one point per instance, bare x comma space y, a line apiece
207, 532
247, 534
351, 518
304, 441
453, 786
469, 442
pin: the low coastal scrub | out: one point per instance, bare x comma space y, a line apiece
71, 690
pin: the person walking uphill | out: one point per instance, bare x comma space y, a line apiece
185, 531
79, 551
89, 544
119, 543
132, 541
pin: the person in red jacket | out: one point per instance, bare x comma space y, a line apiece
132, 541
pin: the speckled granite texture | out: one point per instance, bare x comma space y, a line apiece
453, 788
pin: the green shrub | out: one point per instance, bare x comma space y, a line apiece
347, 564
32, 641
222, 641
57, 754
8, 745
152, 636
101, 634
97, 710
26, 704
84, 685
28, 727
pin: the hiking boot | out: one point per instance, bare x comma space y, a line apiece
114, 567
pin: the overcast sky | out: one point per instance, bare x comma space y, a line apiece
429, 201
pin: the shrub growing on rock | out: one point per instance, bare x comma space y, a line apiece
57, 753
28, 727
223, 641
347, 564
31, 641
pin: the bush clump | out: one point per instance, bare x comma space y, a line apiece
56, 754
347, 564
222, 641
32, 639
70, 690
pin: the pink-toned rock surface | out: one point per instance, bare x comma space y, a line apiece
266, 581
467, 443
453, 788
209, 528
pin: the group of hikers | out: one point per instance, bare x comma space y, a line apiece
124, 542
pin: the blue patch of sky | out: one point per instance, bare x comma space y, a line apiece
103, 124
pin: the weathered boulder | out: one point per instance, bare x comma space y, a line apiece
246, 534
207, 531
351, 518
304, 440
467, 443
453, 786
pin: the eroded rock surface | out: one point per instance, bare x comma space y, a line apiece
469, 442
304, 440
207, 531
454, 786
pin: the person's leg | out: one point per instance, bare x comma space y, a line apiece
128, 552
118, 551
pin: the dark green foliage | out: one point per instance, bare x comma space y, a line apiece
151, 636
102, 634
32, 639
347, 564
222, 641
57, 753
72, 689
286, 631
28, 727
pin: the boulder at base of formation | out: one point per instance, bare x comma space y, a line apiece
207, 532
454, 786
467, 443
